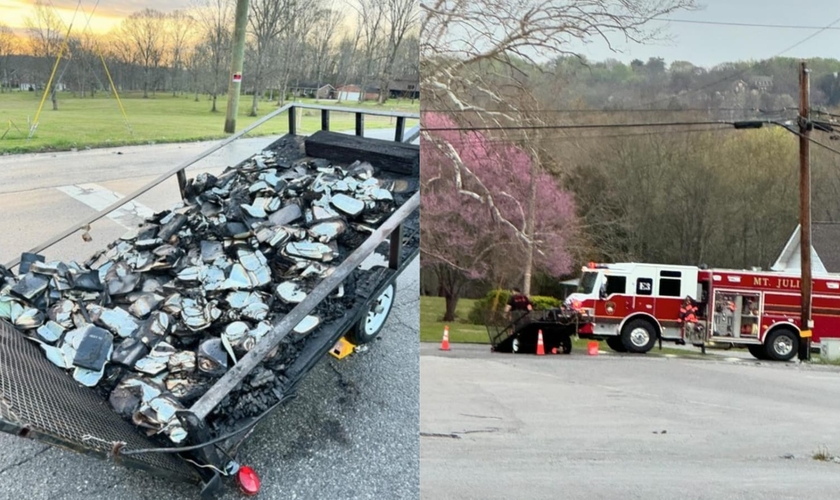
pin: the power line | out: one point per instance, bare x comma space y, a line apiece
595, 111
511, 141
579, 126
818, 143
739, 73
748, 25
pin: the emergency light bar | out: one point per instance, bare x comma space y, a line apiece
593, 265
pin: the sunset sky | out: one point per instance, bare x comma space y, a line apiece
108, 13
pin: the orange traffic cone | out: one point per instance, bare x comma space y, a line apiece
592, 348
444, 344
540, 345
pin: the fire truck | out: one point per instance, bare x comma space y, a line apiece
633, 305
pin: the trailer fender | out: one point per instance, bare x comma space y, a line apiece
644, 316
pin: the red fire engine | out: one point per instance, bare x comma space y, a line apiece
633, 305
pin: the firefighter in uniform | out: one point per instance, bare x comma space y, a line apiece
688, 315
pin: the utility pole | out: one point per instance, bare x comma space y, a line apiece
805, 210
238, 55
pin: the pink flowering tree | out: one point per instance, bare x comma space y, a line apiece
475, 209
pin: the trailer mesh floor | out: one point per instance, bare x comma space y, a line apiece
39, 401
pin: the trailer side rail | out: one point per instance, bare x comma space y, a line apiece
180, 170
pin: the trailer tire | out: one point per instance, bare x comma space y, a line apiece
781, 344
638, 336
616, 344
566, 345
374, 318
758, 352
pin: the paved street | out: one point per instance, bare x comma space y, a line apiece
352, 431
499, 426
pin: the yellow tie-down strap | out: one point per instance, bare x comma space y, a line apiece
805, 334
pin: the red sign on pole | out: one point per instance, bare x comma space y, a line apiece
237, 77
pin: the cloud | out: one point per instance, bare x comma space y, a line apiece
108, 13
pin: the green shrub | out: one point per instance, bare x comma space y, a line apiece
500, 298
541, 302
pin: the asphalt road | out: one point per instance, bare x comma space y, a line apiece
351, 433
499, 426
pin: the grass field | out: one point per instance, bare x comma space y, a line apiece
98, 122
431, 326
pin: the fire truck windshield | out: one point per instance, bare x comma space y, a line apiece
587, 282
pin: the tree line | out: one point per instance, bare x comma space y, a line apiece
681, 194
767, 84
290, 43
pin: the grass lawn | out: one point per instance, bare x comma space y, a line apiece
431, 327
85, 122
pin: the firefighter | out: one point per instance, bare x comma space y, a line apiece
688, 314
729, 314
519, 302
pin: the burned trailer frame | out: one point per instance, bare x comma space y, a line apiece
518, 333
38, 400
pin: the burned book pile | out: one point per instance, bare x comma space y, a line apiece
155, 319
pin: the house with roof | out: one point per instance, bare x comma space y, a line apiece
313, 89
351, 93
761, 83
406, 87
825, 250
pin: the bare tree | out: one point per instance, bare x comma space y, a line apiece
181, 30
402, 17
371, 19
84, 62
196, 60
268, 19
347, 61
468, 50
215, 20
145, 32
304, 15
323, 40
46, 31
8, 44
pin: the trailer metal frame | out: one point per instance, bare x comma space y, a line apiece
20, 361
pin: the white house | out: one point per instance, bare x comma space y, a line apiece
825, 250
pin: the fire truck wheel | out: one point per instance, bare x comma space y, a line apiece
758, 352
615, 344
781, 344
638, 336
514, 345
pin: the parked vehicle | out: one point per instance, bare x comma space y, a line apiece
634, 305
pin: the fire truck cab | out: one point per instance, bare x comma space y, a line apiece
632, 305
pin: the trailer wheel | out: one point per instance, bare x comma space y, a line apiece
615, 344
638, 336
758, 352
373, 320
566, 345
781, 344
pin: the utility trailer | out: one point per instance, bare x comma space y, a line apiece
518, 331
39, 401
